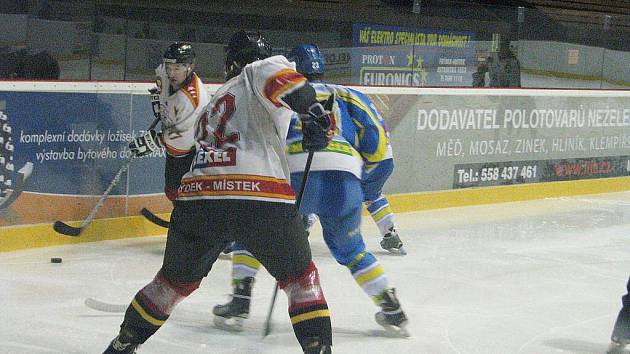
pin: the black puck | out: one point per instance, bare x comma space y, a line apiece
55, 260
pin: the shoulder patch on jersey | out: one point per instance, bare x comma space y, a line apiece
281, 82
192, 91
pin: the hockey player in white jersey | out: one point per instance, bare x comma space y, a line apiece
237, 189
335, 191
183, 99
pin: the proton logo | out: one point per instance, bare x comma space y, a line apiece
11, 182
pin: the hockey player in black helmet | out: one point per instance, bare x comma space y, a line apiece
183, 99
237, 189
338, 184
244, 48
179, 63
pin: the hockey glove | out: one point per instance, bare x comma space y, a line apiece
318, 125
145, 144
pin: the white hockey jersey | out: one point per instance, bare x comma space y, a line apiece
241, 137
180, 110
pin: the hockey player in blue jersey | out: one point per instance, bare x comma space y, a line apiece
310, 63
335, 192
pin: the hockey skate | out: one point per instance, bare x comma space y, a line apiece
392, 317
313, 346
391, 242
122, 344
619, 346
230, 316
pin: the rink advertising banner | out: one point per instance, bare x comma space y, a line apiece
399, 56
66, 148
472, 138
514, 172
61, 149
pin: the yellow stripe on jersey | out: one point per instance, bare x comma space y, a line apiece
280, 83
191, 91
381, 149
239, 193
341, 147
247, 177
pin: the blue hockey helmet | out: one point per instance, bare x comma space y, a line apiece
308, 59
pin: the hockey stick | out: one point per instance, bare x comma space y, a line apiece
178, 315
68, 230
103, 306
12, 194
154, 218
298, 201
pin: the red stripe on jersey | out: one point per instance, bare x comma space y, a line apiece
236, 185
173, 151
192, 91
281, 82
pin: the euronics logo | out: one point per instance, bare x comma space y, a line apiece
393, 76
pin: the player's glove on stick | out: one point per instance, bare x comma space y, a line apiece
145, 144
318, 125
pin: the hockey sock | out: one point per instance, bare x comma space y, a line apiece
308, 308
152, 306
369, 274
382, 214
244, 264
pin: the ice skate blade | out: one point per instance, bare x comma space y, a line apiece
397, 252
232, 324
396, 331
618, 348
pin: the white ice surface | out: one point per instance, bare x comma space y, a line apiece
530, 277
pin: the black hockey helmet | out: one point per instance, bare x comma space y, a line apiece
244, 48
179, 52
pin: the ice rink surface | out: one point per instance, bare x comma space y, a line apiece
533, 277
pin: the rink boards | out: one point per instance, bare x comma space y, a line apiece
452, 147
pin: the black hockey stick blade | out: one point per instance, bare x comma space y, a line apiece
66, 229
154, 218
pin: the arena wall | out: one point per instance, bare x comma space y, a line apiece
453, 147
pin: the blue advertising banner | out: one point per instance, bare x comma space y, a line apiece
78, 141
400, 56
59, 151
